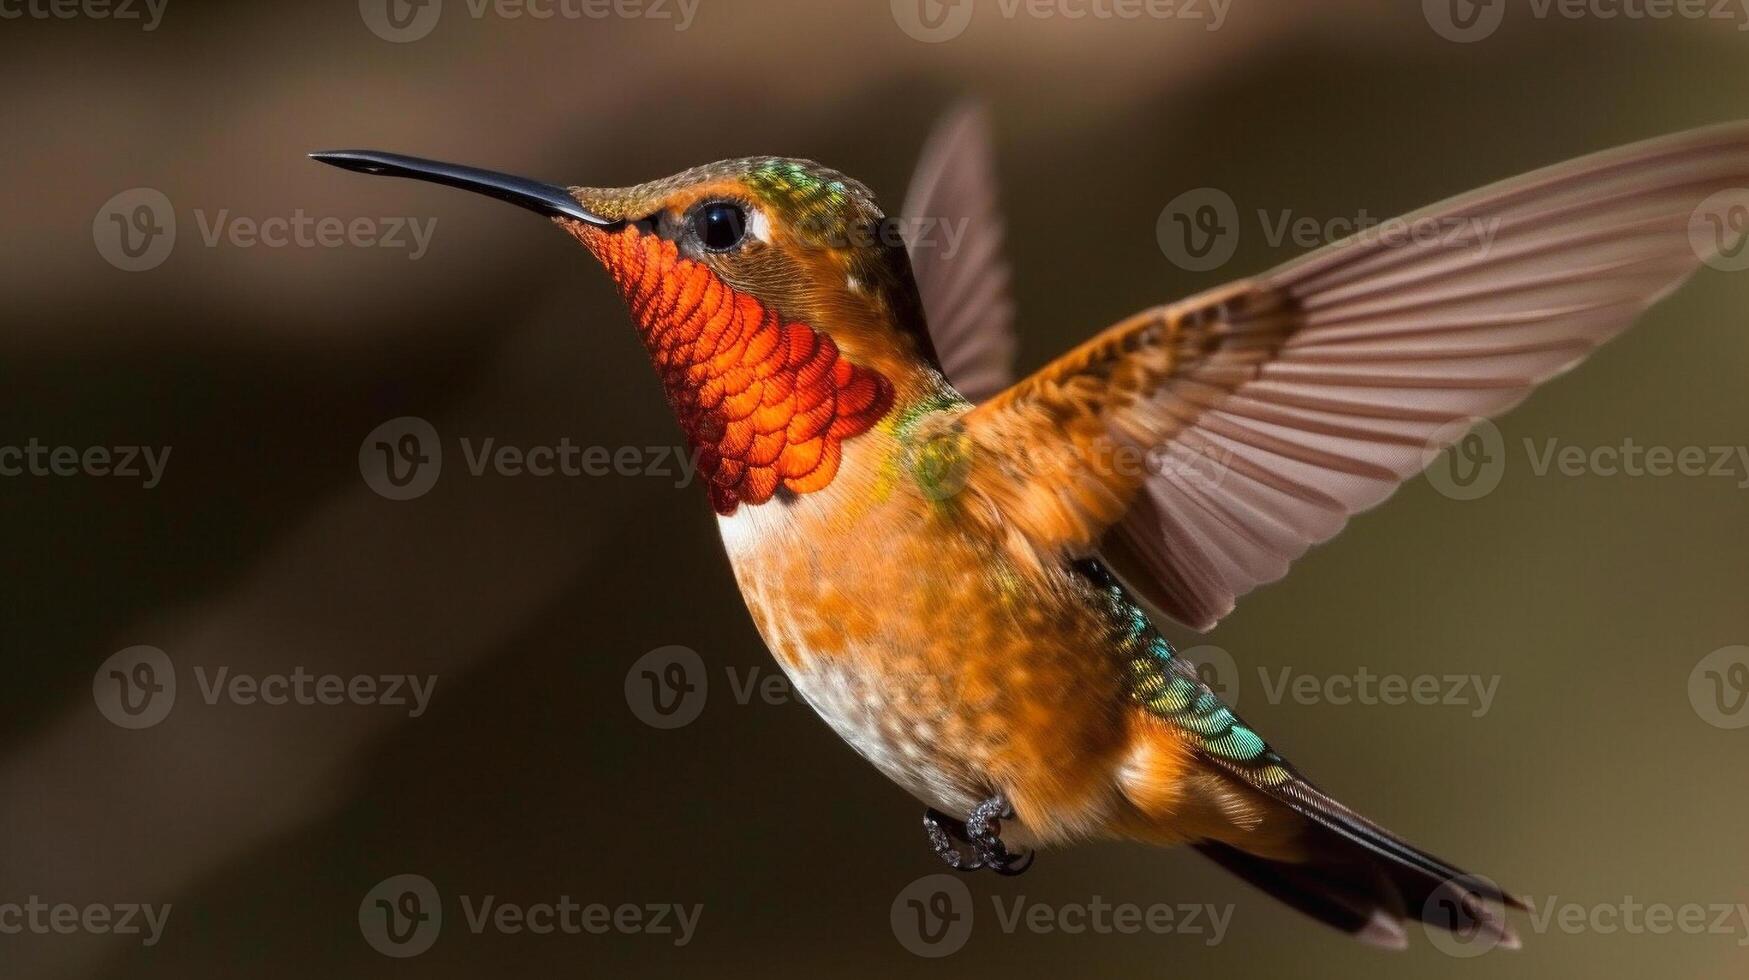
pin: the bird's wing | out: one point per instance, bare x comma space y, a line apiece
954, 236
1205, 445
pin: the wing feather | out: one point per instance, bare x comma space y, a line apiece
1206, 445
955, 242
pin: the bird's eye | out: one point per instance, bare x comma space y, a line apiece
720, 225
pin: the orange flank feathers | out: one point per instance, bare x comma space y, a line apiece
767, 403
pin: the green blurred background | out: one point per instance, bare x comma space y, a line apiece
1591, 781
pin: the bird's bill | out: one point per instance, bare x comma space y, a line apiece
547, 199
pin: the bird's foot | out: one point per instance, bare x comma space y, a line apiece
984, 829
945, 836
983, 832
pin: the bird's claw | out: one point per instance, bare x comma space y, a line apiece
983, 832
944, 833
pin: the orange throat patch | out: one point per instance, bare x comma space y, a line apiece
765, 403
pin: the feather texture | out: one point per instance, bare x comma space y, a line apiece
1206, 445
954, 237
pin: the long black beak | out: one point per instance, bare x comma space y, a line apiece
554, 202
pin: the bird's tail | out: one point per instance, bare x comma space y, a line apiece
1354, 875
1266, 823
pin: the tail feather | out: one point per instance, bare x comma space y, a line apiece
1354, 899
1357, 877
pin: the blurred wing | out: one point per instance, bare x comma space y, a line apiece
955, 240
1204, 446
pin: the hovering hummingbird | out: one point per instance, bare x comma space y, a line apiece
953, 568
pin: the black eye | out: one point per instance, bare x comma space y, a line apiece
720, 225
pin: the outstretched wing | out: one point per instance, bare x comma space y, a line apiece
954, 236
1205, 445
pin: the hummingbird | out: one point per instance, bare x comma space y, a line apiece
961, 572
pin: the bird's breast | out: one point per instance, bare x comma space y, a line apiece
955, 674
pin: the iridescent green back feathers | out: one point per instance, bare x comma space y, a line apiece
1167, 686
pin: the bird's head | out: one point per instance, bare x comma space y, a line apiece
773, 295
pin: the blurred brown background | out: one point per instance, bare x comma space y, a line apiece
1592, 780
